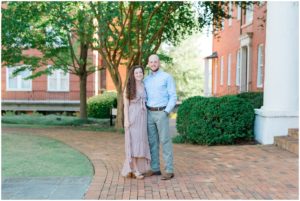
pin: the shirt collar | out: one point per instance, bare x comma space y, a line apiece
155, 73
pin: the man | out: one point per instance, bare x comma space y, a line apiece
161, 99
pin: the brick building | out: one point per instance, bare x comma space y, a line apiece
237, 62
56, 92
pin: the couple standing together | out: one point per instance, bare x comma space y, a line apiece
147, 105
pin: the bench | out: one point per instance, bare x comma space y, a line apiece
113, 115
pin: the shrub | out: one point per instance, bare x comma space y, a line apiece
255, 98
178, 139
183, 113
212, 121
99, 106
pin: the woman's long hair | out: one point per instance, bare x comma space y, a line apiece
131, 86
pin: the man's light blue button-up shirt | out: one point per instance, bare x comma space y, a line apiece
161, 90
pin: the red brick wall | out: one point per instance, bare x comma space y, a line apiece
227, 41
39, 87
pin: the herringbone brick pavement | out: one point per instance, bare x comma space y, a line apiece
201, 172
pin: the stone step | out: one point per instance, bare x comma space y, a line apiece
288, 143
294, 132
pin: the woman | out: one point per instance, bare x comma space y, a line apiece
137, 152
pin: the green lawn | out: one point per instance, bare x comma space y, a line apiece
54, 120
45, 121
28, 155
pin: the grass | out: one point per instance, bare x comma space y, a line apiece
33, 156
56, 120
45, 121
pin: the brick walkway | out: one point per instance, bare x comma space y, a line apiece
217, 172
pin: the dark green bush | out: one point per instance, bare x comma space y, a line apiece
99, 106
255, 98
183, 113
211, 121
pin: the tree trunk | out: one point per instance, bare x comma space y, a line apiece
83, 105
120, 111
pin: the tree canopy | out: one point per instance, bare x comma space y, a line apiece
124, 34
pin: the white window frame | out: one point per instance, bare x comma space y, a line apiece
238, 68
229, 70
222, 71
58, 81
19, 77
230, 13
260, 65
249, 14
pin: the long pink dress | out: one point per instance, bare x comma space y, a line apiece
136, 138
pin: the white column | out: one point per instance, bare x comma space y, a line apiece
206, 78
280, 109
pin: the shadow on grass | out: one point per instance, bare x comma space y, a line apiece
52, 121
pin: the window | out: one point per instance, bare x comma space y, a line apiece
261, 3
238, 68
238, 12
230, 13
222, 24
58, 81
222, 70
229, 70
216, 76
249, 14
17, 83
260, 66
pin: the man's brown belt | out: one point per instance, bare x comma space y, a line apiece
156, 108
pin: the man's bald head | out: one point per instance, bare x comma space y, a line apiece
153, 62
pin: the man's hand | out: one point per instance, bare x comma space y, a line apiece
126, 124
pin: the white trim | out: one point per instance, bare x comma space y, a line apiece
19, 80
40, 101
58, 82
260, 64
222, 71
229, 70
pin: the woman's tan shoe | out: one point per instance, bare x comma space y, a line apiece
138, 175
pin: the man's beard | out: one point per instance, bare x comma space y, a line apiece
155, 70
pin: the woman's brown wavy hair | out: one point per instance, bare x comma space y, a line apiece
131, 87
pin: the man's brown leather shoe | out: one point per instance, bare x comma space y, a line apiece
167, 176
150, 173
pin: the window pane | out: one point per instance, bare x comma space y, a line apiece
25, 84
229, 70
249, 14
64, 84
52, 83
12, 82
222, 71
259, 66
230, 13
237, 77
238, 12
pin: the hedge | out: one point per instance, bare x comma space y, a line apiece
212, 121
99, 106
255, 98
